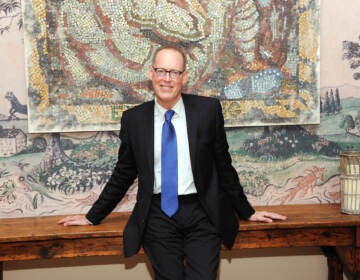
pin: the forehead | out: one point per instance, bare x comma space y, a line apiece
169, 59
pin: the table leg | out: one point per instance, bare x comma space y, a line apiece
350, 259
1, 270
335, 268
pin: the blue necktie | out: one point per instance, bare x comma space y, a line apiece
169, 167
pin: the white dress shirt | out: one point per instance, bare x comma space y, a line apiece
186, 183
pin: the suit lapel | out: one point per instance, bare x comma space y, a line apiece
191, 122
148, 135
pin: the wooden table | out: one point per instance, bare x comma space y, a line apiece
320, 225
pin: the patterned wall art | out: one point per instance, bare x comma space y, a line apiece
87, 61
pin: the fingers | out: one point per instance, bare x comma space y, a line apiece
275, 216
264, 219
73, 221
268, 217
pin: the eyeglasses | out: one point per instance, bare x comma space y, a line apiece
161, 73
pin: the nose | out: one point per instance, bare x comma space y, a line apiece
167, 76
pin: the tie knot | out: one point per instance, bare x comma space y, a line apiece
169, 114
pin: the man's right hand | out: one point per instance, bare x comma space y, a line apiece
77, 220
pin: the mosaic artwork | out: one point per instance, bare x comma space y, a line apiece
87, 61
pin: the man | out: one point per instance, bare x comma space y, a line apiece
182, 242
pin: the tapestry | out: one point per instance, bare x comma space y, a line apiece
44, 174
87, 61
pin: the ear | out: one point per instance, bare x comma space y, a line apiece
150, 72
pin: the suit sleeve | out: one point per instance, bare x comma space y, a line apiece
123, 176
228, 177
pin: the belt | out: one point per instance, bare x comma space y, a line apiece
180, 197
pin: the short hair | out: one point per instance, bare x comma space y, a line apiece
171, 47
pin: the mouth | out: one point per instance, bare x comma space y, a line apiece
164, 86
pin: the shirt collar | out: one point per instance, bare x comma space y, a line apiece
179, 108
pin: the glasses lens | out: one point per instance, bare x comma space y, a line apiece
160, 72
174, 74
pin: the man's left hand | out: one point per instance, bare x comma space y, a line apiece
264, 216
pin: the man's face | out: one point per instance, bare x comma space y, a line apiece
167, 88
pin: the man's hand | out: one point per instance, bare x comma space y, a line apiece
264, 216
78, 220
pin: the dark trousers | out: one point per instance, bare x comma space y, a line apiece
185, 246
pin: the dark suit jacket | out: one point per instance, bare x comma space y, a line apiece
216, 180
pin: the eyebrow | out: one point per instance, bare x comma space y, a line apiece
167, 69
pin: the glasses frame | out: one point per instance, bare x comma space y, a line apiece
162, 73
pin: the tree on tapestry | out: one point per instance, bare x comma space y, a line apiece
347, 123
352, 53
88, 165
10, 12
331, 103
283, 142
